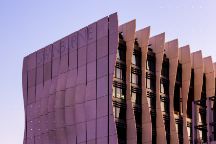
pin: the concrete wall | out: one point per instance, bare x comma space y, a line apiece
171, 50
184, 59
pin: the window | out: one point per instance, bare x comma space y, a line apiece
177, 127
136, 98
149, 102
177, 98
118, 73
121, 54
138, 117
162, 106
201, 134
179, 73
162, 88
118, 54
150, 83
150, 63
189, 102
118, 93
139, 137
133, 97
165, 68
121, 131
134, 59
189, 131
114, 91
134, 78
147, 65
181, 105
119, 113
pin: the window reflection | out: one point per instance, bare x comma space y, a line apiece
118, 54
121, 131
176, 124
162, 88
118, 93
118, 73
134, 59
150, 83
147, 65
138, 117
189, 131
121, 54
134, 78
150, 64
165, 69
119, 113
149, 102
136, 98
162, 106
133, 97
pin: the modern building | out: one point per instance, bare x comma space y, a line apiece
111, 84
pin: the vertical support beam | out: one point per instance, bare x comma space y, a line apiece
158, 48
143, 39
184, 59
210, 76
128, 30
210, 91
171, 50
197, 64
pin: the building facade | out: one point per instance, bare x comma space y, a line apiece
111, 84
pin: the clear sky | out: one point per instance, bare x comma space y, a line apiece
26, 26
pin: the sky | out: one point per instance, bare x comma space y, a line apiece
26, 26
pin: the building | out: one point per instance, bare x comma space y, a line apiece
109, 84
